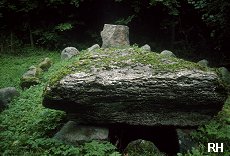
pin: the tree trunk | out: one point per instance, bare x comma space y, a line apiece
11, 41
31, 37
2, 48
172, 35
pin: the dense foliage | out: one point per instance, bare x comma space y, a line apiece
200, 27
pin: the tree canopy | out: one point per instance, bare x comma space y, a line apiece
200, 26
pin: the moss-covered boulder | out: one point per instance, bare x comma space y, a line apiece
136, 87
225, 76
45, 64
31, 77
142, 147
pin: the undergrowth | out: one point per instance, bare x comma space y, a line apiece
26, 127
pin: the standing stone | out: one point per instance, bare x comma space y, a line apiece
142, 147
95, 46
74, 134
69, 52
167, 53
203, 62
6, 95
115, 36
146, 47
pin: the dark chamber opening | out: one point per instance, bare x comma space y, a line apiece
164, 137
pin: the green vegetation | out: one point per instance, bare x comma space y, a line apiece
26, 127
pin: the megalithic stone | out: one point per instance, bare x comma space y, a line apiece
116, 36
136, 87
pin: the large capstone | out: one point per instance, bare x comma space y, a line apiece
115, 36
136, 87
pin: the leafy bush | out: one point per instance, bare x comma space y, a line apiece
98, 149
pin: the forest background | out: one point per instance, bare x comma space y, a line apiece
192, 29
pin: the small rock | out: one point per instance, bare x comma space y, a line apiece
225, 75
74, 134
45, 64
142, 147
27, 82
31, 77
146, 47
69, 52
116, 36
167, 53
185, 140
95, 46
167, 61
203, 62
6, 95
33, 72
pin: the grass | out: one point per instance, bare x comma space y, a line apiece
13, 66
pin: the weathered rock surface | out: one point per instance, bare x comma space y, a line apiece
146, 47
137, 88
6, 95
69, 52
45, 64
115, 36
142, 147
93, 47
74, 134
30, 77
167, 53
203, 62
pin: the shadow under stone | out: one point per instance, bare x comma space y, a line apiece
165, 137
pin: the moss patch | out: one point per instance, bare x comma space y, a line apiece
111, 57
